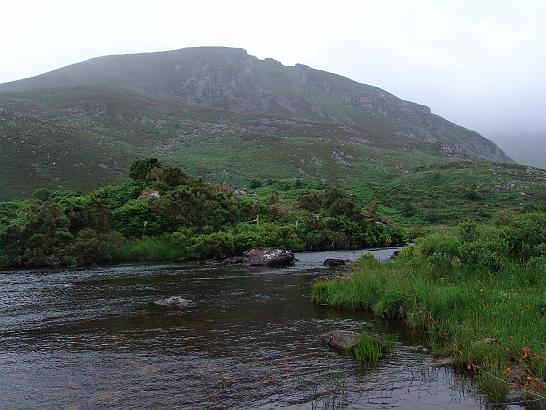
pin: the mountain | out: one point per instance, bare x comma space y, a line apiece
219, 113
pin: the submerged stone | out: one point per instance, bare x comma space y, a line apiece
173, 301
488, 341
340, 339
443, 362
334, 263
418, 348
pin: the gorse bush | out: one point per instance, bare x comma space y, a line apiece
247, 236
511, 238
160, 213
91, 246
140, 169
41, 237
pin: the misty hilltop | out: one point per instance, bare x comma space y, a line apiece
218, 112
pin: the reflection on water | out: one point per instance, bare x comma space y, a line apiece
94, 339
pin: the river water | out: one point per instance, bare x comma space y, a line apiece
86, 339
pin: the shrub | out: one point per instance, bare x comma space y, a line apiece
136, 218
216, 245
168, 175
91, 246
255, 184
247, 236
488, 248
38, 237
140, 168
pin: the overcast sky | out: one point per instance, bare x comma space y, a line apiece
479, 63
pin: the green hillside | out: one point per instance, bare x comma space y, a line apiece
450, 192
218, 113
161, 214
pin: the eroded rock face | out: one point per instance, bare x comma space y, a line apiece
173, 301
340, 339
334, 263
273, 257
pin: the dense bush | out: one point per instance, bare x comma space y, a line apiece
136, 218
247, 236
40, 235
216, 245
184, 218
511, 238
140, 169
92, 247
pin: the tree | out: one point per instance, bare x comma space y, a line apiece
310, 201
169, 175
255, 184
140, 168
39, 237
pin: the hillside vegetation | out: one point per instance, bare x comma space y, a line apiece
218, 113
433, 194
451, 192
163, 214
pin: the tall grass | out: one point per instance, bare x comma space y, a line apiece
150, 249
455, 309
371, 348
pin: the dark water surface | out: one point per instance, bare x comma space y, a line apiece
84, 339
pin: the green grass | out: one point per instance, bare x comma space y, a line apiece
150, 249
452, 311
446, 193
371, 348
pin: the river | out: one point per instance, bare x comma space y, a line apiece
86, 339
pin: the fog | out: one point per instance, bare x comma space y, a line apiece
481, 64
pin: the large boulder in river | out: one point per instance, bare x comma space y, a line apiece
264, 257
334, 263
173, 302
340, 339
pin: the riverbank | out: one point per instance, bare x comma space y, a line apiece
489, 322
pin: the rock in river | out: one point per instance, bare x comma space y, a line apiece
173, 301
443, 362
334, 263
394, 255
340, 339
264, 257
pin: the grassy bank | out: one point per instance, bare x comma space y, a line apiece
371, 348
476, 293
